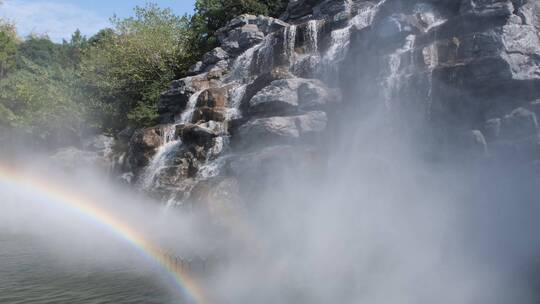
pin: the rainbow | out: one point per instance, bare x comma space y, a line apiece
186, 285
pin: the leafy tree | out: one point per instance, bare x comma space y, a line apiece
41, 103
8, 47
73, 49
128, 66
40, 50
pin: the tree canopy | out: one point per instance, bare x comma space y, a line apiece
111, 80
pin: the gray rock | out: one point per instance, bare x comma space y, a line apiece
519, 124
143, 145
280, 129
214, 56
291, 95
279, 97
191, 133
487, 8
196, 68
174, 101
245, 31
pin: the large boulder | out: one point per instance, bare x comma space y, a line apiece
199, 134
174, 101
214, 56
246, 31
143, 146
214, 97
280, 129
290, 96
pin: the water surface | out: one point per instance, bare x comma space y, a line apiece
32, 273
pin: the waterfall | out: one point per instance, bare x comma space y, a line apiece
242, 65
236, 95
187, 115
392, 81
289, 43
313, 36
255, 60
158, 163
170, 144
340, 38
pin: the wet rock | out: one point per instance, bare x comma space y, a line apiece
280, 129
191, 133
262, 81
174, 101
214, 97
143, 145
207, 114
487, 8
288, 96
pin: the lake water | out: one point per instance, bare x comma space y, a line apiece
32, 273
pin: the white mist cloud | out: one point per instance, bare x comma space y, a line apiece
57, 20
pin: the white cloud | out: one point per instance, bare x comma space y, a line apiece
57, 20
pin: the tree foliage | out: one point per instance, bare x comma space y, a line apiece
56, 91
128, 66
8, 47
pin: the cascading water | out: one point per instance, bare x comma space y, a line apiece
313, 36
289, 43
392, 81
241, 68
187, 115
236, 95
160, 161
340, 39
257, 59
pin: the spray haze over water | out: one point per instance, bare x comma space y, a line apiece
378, 208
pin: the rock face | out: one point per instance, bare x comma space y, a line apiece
468, 71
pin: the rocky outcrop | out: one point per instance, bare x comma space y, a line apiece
464, 72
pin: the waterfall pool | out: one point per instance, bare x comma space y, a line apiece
31, 273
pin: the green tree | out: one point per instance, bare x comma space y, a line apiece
128, 66
40, 50
8, 48
42, 103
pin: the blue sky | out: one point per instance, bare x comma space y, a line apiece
60, 18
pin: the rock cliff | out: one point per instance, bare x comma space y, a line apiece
462, 75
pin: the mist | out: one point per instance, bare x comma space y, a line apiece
356, 153
375, 224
